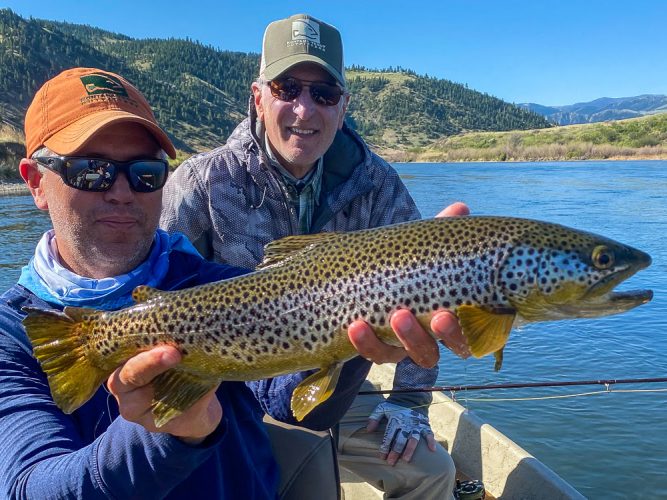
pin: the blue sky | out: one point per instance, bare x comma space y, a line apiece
551, 52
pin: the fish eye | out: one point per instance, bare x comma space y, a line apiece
603, 257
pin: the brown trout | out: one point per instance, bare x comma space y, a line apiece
293, 313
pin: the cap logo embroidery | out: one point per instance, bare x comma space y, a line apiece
98, 83
306, 32
306, 29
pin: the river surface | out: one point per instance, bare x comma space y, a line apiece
611, 444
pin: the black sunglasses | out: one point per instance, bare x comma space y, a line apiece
98, 174
323, 93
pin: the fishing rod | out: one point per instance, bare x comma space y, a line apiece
518, 385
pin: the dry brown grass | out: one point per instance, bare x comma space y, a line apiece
550, 152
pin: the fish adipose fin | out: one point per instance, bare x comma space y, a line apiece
284, 248
486, 331
176, 390
58, 341
314, 390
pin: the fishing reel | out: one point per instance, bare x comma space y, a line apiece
469, 490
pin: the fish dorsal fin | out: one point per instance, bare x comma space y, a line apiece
486, 331
143, 293
176, 390
314, 390
279, 250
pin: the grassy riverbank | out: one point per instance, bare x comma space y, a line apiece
633, 139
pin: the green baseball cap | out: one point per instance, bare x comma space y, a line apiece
301, 38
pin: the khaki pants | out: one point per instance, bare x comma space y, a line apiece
308, 468
307, 462
429, 475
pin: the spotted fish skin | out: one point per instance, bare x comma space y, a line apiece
293, 313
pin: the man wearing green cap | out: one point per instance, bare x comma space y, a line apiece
294, 167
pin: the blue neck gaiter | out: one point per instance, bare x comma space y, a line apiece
49, 280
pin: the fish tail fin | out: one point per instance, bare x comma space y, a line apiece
59, 344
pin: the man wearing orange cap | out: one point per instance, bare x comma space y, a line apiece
96, 161
294, 167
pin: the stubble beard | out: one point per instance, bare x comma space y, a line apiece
96, 258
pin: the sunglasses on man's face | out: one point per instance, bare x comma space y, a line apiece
323, 93
98, 174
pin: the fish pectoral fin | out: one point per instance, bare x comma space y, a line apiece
314, 390
486, 331
279, 250
143, 293
176, 390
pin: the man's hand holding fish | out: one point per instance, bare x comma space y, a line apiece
131, 385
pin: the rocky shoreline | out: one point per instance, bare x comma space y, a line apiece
13, 188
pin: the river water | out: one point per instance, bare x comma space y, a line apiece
610, 444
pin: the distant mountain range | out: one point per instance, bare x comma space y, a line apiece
600, 110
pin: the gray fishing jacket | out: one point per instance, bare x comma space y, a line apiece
230, 202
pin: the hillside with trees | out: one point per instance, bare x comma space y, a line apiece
402, 109
200, 93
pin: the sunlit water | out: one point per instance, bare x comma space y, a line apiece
609, 445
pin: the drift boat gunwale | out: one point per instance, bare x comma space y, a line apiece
479, 451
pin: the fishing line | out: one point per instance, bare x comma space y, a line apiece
465, 402
518, 385
558, 396
452, 390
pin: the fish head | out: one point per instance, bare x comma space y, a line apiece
572, 274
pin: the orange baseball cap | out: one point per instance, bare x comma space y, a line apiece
72, 107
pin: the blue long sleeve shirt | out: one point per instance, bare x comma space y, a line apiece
95, 453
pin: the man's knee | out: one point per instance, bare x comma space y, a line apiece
429, 475
433, 463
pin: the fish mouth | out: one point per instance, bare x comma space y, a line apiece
612, 302
633, 297
602, 299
